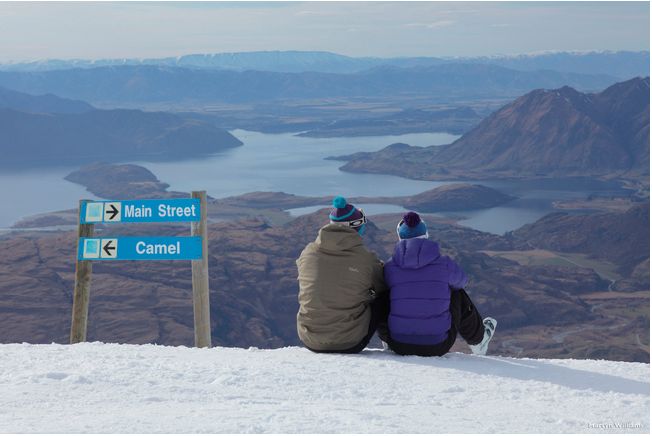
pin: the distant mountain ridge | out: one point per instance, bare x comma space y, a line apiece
47, 103
120, 85
36, 139
622, 64
560, 132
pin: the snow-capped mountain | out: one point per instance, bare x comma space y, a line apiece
620, 64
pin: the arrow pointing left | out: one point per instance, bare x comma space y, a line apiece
109, 248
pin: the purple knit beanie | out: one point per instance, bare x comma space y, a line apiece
412, 226
343, 211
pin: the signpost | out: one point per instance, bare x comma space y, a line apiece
193, 248
81, 294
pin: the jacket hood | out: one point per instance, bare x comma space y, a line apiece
336, 237
415, 253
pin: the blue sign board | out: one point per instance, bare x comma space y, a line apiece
140, 248
141, 211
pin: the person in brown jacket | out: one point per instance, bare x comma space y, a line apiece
342, 291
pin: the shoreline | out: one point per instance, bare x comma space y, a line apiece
278, 207
562, 203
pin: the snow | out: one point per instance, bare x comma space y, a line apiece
111, 388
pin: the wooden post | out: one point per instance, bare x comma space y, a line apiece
81, 295
200, 293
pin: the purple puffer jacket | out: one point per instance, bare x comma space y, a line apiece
420, 280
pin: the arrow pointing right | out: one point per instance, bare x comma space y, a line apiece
113, 211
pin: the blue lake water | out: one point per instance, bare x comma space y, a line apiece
296, 165
292, 164
534, 201
267, 162
30, 192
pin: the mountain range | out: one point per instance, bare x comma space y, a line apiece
128, 85
621, 64
560, 132
49, 130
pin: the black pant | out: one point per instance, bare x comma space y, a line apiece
466, 320
379, 313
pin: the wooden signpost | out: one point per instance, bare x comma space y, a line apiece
81, 294
200, 303
193, 248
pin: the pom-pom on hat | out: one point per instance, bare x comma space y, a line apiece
343, 212
412, 226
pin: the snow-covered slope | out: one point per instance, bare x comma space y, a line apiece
107, 388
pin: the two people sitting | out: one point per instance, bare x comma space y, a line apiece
416, 302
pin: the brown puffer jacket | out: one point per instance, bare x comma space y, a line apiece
336, 276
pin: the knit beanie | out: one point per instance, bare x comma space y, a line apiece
412, 226
343, 212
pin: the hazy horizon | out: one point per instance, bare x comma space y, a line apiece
34, 31
534, 53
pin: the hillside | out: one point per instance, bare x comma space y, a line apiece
544, 133
34, 139
622, 238
546, 309
154, 389
456, 197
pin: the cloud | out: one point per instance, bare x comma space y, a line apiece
31, 30
459, 11
432, 25
315, 14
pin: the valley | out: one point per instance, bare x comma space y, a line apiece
565, 300
543, 199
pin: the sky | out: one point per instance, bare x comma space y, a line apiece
34, 30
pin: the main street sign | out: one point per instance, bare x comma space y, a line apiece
140, 248
141, 211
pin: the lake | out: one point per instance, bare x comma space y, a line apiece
296, 165
292, 164
29, 192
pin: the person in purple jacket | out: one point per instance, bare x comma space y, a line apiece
428, 303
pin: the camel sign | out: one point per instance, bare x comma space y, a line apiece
140, 248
